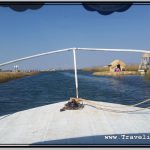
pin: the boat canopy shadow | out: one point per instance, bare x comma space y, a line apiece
115, 139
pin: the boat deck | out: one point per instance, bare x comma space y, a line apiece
47, 125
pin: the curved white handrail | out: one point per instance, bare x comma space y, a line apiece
114, 50
74, 56
68, 49
33, 56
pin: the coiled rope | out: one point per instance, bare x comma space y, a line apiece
111, 109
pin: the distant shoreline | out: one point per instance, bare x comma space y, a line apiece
7, 76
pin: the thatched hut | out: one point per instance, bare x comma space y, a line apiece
117, 64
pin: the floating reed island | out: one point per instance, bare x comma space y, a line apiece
110, 70
7, 76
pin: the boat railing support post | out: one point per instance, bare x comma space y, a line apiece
75, 72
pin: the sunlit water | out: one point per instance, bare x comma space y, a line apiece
52, 87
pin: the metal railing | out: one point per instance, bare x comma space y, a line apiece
74, 58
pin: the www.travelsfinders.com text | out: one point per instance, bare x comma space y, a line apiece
128, 137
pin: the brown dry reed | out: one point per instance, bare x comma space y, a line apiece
6, 76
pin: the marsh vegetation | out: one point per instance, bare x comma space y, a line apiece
7, 76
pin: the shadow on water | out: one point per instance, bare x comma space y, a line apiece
52, 87
115, 139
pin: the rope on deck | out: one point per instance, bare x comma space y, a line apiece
111, 109
147, 100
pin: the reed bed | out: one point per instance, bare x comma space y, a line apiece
104, 69
132, 67
147, 75
6, 76
96, 69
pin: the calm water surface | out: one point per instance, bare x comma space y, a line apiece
52, 87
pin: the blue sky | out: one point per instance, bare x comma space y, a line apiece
62, 26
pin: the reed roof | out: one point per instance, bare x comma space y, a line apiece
116, 62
